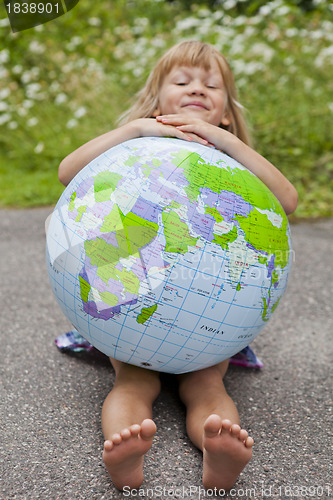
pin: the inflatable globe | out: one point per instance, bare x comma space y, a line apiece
167, 254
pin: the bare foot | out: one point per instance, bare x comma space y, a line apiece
123, 454
226, 450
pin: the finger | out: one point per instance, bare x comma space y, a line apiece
197, 138
174, 119
171, 131
191, 132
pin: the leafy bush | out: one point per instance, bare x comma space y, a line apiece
67, 81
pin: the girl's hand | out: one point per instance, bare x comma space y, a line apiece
144, 127
196, 129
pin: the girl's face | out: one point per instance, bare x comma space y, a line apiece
194, 91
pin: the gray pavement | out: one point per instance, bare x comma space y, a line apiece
50, 406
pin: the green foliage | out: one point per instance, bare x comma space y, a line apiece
67, 81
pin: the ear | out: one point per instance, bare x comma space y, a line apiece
225, 119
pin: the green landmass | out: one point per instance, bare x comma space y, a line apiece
132, 232
131, 160
217, 179
85, 288
146, 313
265, 237
105, 257
265, 308
104, 185
224, 239
214, 213
109, 298
71, 205
176, 233
81, 211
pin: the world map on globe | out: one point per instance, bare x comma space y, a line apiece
168, 254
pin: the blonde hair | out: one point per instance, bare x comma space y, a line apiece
190, 53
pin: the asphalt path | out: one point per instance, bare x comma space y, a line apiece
50, 406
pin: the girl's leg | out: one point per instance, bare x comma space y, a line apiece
212, 422
126, 423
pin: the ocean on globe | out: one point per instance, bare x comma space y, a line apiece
167, 254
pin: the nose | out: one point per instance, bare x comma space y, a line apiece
196, 87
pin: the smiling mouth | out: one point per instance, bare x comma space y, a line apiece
195, 104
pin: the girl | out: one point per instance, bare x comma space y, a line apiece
189, 95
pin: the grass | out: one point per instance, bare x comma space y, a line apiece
67, 81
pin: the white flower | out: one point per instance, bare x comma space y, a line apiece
32, 90
265, 10
188, 23
12, 125
26, 77
17, 69
94, 21
158, 42
4, 56
27, 104
324, 56
71, 123
4, 93
261, 49
74, 42
137, 71
5, 118
32, 122
229, 4
61, 98
3, 73
36, 47
3, 106
80, 112
39, 148
4, 22
55, 86
22, 111
283, 10
291, 32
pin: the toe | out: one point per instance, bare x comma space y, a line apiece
226, 425
135, 430
108, 445
235, 430
116, 439
249, 442
148, 429
125, 434
212, 425
243, 435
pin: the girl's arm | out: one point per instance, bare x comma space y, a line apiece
204, 132
262, 168
141, 127
79, 158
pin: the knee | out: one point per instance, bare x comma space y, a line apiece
206, 380
135, 376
